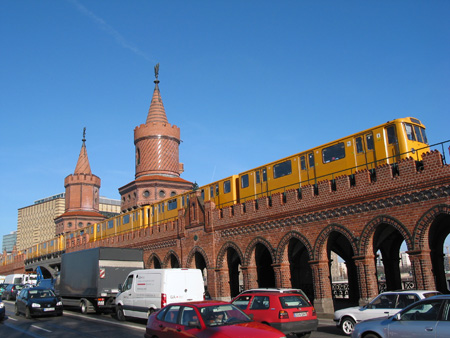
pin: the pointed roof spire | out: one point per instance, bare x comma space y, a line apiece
156, 113
83, 166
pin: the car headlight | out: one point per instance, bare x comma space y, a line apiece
2, 305
35, 305
59, 303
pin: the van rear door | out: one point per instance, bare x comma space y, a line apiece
183, 285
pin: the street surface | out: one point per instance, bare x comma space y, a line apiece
74, 325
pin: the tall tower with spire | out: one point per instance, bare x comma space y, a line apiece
82, 196
158, 167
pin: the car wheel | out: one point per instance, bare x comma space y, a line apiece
16, 312
304, 335
347, 325
120, 314
83, 307
27, 313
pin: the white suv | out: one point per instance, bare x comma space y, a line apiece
384, 305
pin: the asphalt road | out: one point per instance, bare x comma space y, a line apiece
75, 325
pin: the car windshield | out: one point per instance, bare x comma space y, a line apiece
224, 314
41, 293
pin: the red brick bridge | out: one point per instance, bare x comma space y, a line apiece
287, 240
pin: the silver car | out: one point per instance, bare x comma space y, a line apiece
384, 305
427, 318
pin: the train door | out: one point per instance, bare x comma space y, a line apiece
392, 151
261, 182
365, 151
307, 169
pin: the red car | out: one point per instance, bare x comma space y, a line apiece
289, 312
206, 319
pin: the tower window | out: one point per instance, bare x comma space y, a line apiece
162, 193
146, 193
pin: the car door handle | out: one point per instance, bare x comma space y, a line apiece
429, 329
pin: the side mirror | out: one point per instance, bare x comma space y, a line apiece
120, 288
397, 316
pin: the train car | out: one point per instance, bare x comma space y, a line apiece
387, 143
223, 193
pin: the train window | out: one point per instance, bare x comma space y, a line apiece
333, 153
409, 132
413, 120
311, 160
226, 187
110, 224
424, 135
51, 243
172, 204
211, 192
359, 145
258, 178
81, 232
418, 134
392, 138
118, 222
162, 207
282, 169
264, 175
45, 245
203, 194
303, 163
126, 219
369, 142
244, 181
98, 227
217, 190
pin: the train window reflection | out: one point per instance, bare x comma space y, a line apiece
369, 142
244, 181
226, 187
333, 153
282, 169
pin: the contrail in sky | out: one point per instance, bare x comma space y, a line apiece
108, 29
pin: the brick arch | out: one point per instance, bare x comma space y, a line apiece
167, 258
420, 236
324, 235
191, 254
285, 241
251, 247
151, 258
223, 250
367, 234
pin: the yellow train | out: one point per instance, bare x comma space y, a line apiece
386, 143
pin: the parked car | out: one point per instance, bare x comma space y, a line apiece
384, 305
2, 310
289, 312
205, 319
38, 301
11, 291
427, 318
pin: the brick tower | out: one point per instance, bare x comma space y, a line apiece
158, 167
82, 196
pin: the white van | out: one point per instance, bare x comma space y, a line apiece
21, 279
145, 291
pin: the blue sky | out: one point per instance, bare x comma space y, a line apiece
248, 82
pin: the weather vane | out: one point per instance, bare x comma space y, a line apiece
84, 134
156, 71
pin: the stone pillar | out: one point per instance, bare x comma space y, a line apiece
367, 278
250, 276
323, 297
421, 267
222, 284
282, 275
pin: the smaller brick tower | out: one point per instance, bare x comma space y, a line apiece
158, 167
82, 196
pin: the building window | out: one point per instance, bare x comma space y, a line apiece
69, 224
146, 193
80, 224
162, 193
173, 193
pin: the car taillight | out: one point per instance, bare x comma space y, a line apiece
283, 314
163, 300
314, 312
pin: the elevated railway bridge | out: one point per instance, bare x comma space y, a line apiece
287, 240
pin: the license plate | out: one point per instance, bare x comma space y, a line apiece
101, 302
49, 309
300, 314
